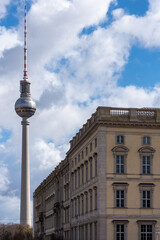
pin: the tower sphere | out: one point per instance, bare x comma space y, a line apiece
25, 107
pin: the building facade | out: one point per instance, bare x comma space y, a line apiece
110, 180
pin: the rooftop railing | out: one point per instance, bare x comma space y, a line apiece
110, 114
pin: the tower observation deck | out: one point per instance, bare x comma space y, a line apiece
25, 107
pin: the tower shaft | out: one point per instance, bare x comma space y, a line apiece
25, 107
25, 217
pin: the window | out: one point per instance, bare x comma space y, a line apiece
82, 154
75, 208
82, 204
147, 156
120, 198
146, 164
82, 174
146, 140
95, 198
72, 204
86, 193
146, 229
120, 139
78, 176
75, 161
86, 231
75, 233
72, 180
95, 142
120, 156
146, 199
90, 147
66, 214
78, 157
78, 205
120, 229
75, 179
95, 162
146, 191
90, 168
120, 232
66, 192
146, 232
86, 151
120, 164
120, 193
90, 200
95, 230
91, 231
86, 171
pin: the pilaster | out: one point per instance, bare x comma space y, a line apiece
101, 140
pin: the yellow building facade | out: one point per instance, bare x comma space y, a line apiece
113, 178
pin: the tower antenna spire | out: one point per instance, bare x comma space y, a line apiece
25, 77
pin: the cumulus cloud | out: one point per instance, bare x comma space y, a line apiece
71, 74
4, 178
47, 155
9, 208
3, 5
8, 39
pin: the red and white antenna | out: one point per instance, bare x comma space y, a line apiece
25, 77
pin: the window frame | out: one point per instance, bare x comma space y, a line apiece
95, 142
120, 222
86, 151
120, 198
95, 158
117, 186
145, 139
146, 187
82, 204
82, 174
146, 222
146, 165
86, 171
90, 200
90, 147
119, 139
144, 152
86, 202
120, 164
95, 198
120, 150
146, 199
90, 168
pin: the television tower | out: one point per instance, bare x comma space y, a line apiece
25, 107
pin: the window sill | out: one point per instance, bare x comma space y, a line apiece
120, 207
145, 174
146, 208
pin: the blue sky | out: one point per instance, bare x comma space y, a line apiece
81, 54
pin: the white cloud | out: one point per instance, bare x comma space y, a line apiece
3, 4
9, 209
132, 96
4, 181
46, 155
8, 39
66, 98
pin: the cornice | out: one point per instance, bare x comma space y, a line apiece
116, 124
